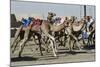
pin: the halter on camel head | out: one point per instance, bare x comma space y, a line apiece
50, 16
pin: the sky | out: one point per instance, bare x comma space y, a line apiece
40, 9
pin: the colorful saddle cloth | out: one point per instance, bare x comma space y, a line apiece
58, 21
26, 22
37, 24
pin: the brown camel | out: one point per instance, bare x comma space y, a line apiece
73, 29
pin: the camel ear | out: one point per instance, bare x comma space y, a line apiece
66, 18
75, 17
54, 14
48, 12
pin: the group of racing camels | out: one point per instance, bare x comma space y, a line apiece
47, 33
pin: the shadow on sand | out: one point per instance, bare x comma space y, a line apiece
62, 51
89, 47
72, 52
23, 59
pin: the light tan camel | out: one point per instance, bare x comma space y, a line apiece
46, 27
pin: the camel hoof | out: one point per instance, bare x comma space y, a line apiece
56, 57
36, 48
80, 49
12, 52
19, 56
71, 51
41, 54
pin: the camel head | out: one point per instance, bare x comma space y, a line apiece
51, 14
87, 18
67, 22
73, 18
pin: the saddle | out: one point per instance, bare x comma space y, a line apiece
77, 26
58, 21
36, 24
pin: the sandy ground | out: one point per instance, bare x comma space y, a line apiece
31, 56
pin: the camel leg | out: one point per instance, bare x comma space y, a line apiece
92, 40
89, 41
14, 47
39, 38
77, 42
70, 43
22, 44
34, 39
83, 41
68, 32
64, 40
55, 46
22, 47
52, 43
48, 46
16, 36
67, 43
52, 46
45, 41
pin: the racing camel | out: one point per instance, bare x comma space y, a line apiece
46, 27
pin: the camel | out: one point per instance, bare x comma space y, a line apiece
73, 30
45, 28
78, 27
23, 32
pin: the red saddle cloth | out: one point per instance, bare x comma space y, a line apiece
36, 24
